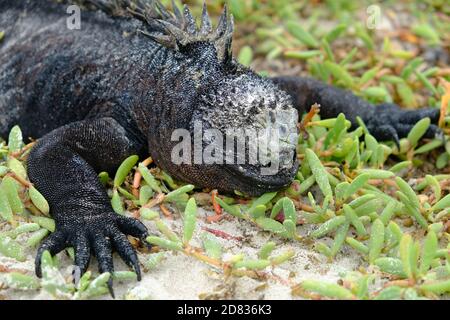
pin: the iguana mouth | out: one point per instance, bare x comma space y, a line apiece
253, 183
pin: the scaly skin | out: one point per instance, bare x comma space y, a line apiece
97, 95
386, 121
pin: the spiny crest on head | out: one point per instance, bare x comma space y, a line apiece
179, 29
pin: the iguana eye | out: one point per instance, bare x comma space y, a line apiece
235, 68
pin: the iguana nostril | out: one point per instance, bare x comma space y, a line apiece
252, 111
273, 104
272, 116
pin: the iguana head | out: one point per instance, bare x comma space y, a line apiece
257, 127
238, 130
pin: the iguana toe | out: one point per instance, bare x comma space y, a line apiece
126, 251
103, 252
82, 252
54, 243
385, 133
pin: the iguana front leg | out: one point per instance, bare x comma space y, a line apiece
63, 166
385, 121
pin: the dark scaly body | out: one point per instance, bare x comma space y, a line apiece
107, 91
51, 76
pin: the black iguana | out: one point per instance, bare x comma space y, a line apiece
119, 86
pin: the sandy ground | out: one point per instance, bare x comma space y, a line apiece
182, 277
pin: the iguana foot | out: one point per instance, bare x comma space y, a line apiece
99, 234
389, 122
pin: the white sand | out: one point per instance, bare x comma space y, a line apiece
182, 277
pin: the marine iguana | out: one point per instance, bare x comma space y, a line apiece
119, 86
